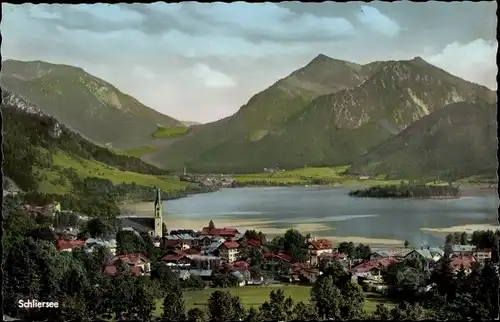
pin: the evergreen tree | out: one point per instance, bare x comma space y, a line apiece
173, 305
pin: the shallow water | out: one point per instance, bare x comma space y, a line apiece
400, 219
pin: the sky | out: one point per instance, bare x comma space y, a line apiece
203, 61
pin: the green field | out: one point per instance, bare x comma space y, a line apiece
304, 175
87, 168
164, 132
138, 152
257, 295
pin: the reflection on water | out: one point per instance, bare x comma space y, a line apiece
375, 218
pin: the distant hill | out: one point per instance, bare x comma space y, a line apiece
328, 113
40, 154
455, 142
83, 102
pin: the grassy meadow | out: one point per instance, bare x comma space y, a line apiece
55, 183
257, 295
164, 132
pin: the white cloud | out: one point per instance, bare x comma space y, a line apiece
212, 78
475, 61
377, 21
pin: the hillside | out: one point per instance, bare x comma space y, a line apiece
264, 112
457, 141
43, 155
84, 103
335, 128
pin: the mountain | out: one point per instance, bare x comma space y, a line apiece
372, 103
83, 102
457, 141
266, 110
40, 154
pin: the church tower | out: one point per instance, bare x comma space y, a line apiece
158, 214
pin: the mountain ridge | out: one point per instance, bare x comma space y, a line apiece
83, 102
338, 127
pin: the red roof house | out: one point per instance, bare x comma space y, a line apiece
69, 245
255, 243
372, 264
138, 263
320, 244
223, 232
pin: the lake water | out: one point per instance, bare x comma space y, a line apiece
339, 214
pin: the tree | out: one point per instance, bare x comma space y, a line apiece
327, 298
338, 274
173, 305
129, 242
163, 275
353, 301
100, 228
143, 302
277, 308
195, 315
406, 311
381, 313
294, 243
348, 248
363, 252
449, 239
464, 238
211, 225
407, 244
305, 312
253, 315
20, 283
222, 306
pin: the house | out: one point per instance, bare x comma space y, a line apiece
139, 264
204, 274
465, 262
176, 258
318, 247
140, 224
380, 253
254, 243
228, 233
374, 266
240, 277
482, 255
92, 243
184, 274
228, 251
328, 258
305, 272
425, 255
463, 249
68, 245
214, 246
204, 262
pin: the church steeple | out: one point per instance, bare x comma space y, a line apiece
158, 217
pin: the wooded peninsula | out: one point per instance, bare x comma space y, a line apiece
408, 191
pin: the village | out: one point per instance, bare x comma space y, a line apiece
212, 250
250, 265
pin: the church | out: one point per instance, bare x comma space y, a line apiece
153, 225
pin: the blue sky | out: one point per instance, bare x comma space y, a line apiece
201, 62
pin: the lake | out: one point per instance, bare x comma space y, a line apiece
331, 212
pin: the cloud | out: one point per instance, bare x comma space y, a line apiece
374, 19
474, 61
212, 78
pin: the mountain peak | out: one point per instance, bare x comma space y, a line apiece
419, 60
322, 57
